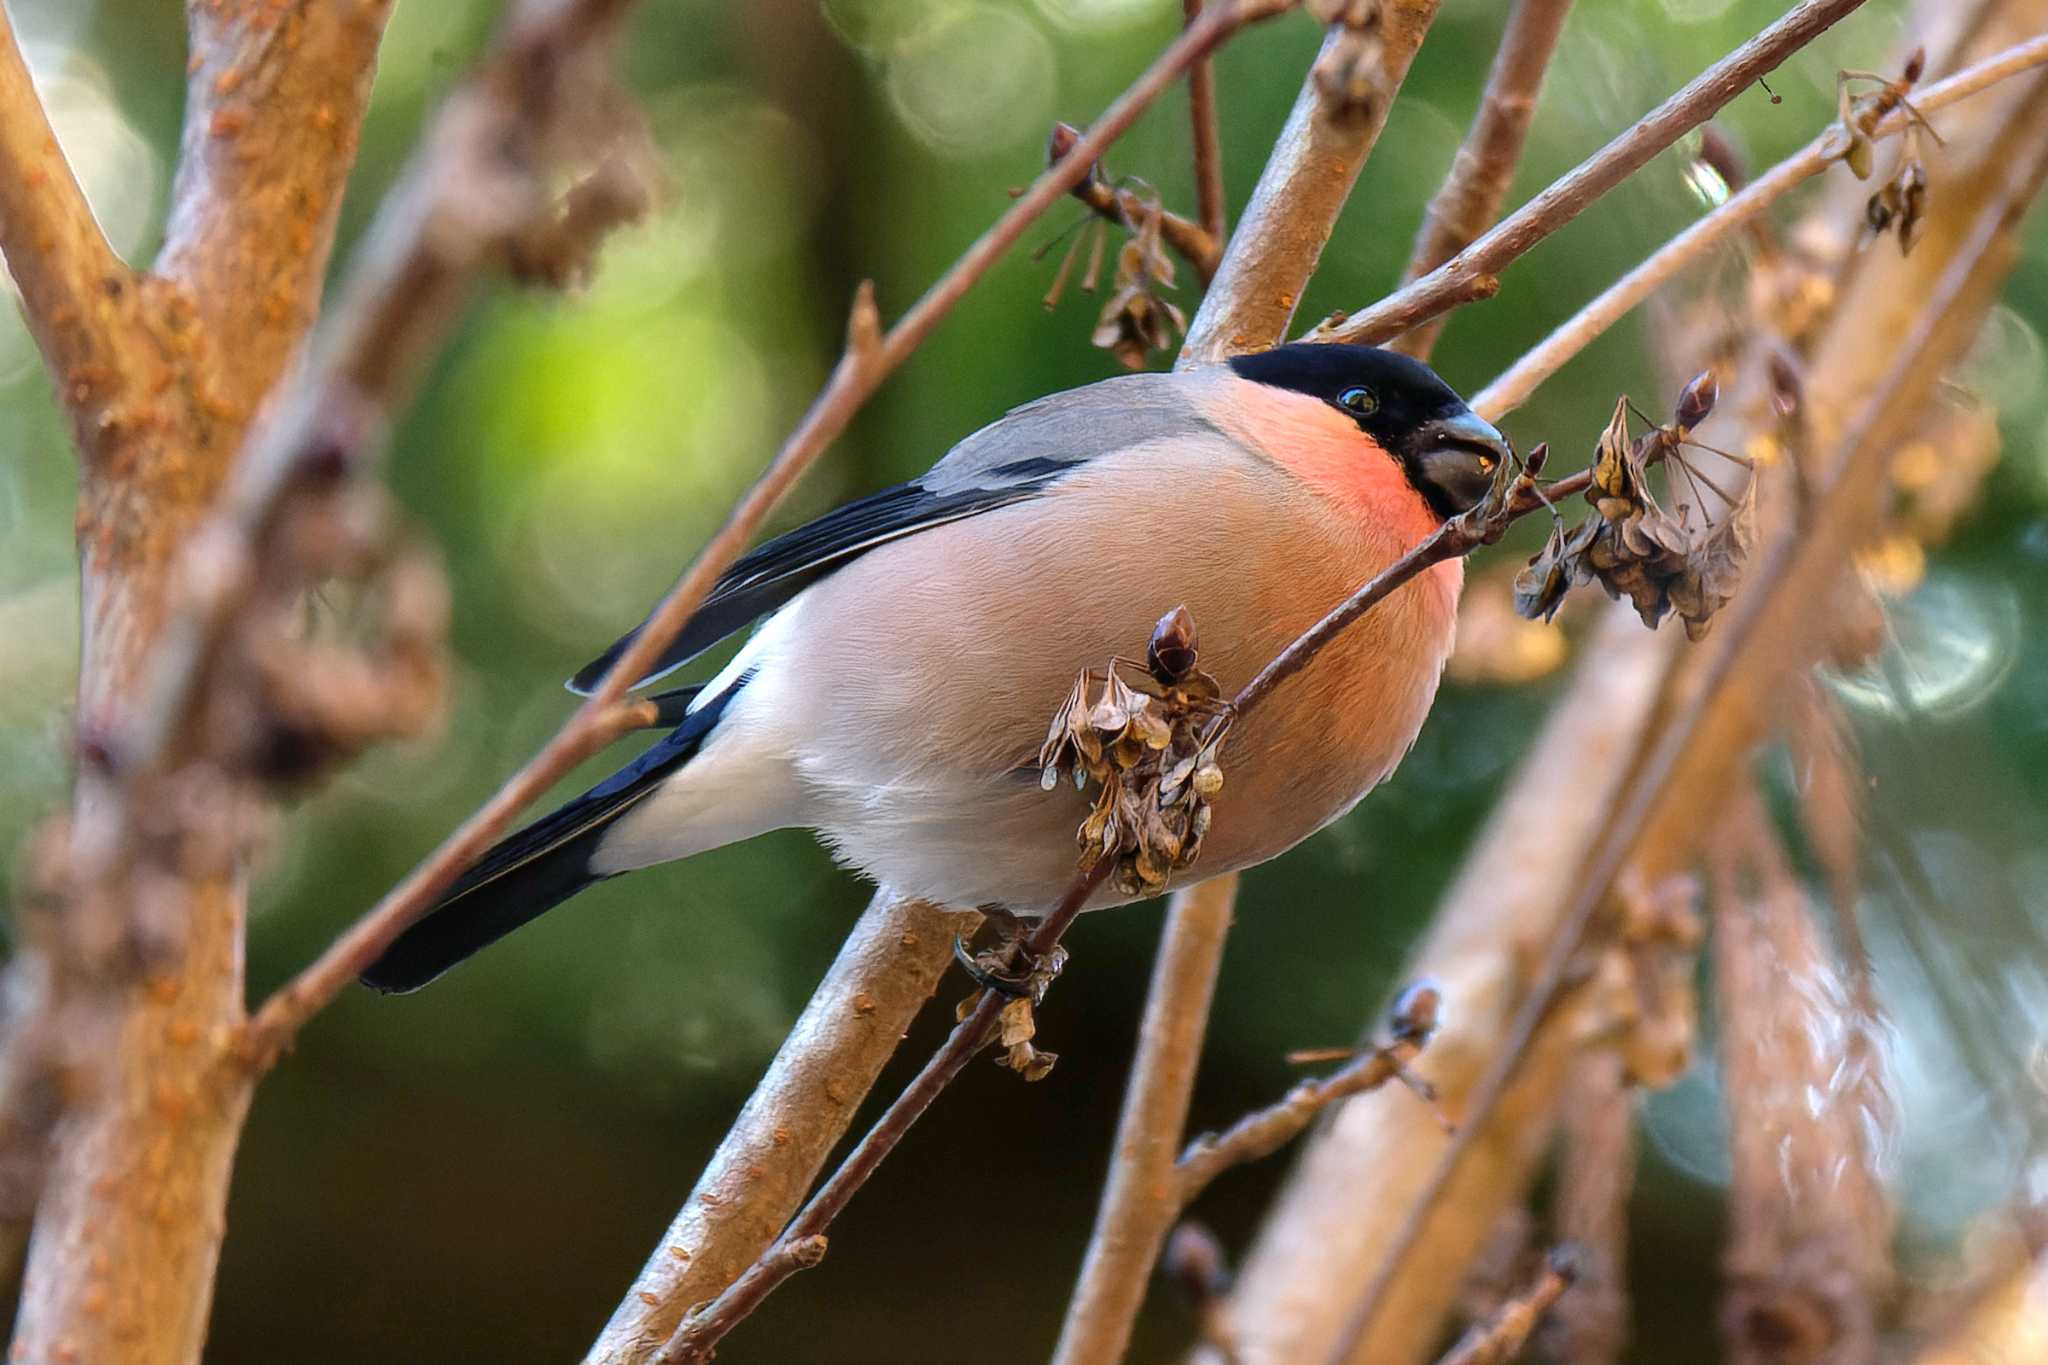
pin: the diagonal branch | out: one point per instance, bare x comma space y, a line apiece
74, 288
1478, 183
1540, 362
888, 967
1475, 272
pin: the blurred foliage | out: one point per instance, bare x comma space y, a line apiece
474, 1173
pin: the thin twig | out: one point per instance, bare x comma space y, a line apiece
1499, 1341
1265, 1131
870, 357
1475, 272
1138, 1210
1543, 360
1128, 209
699, 1335
1208, 145
72, 284
1470, 199
1634, 813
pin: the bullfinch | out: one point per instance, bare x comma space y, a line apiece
917, 641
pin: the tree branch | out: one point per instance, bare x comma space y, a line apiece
1547, 357
1265, 1131
1480, 177
1139, 1203
1128, 209
1208, 145
870, 357
1335, 122
1501, 1339
252, 276
1475, 272
74, 289
888, 967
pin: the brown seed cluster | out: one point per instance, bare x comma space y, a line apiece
1631, 545
1151, 753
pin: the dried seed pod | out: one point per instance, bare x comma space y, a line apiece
1912, 192
1696, 401
1172, 652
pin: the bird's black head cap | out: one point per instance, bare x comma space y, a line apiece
1448, 452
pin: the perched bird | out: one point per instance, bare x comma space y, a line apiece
918, 641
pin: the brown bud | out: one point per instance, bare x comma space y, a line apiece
1916, 66
1912, 191
1172, 653
1534, 460
1696, 403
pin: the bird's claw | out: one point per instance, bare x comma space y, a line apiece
1009, 969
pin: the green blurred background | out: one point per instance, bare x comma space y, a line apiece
476, 1172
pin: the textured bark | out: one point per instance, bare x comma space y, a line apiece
161, 376
766, 1162
1142, 1199
1307, 178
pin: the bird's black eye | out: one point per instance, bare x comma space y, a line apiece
1360, 402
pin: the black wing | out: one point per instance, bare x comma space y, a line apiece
783, 567
1005, 462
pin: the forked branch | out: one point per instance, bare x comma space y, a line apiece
74, 289
1474, 273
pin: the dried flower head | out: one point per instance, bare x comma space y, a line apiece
1152, 753
1660, 562
1138, 319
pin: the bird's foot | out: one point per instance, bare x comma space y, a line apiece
1009, 969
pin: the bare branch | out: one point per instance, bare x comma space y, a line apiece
74, 289
1266, 1131
859, 372
1548, 356
1596, 1170
1336, 119
1810, 1226
1767, 613
1475, 272
1138, 1204
1501, 1340
887, 969
1127, 208
251, 275
1208, 146
1480, 177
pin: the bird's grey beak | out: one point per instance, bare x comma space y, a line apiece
1455, 460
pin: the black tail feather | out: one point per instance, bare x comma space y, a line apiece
536, 869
